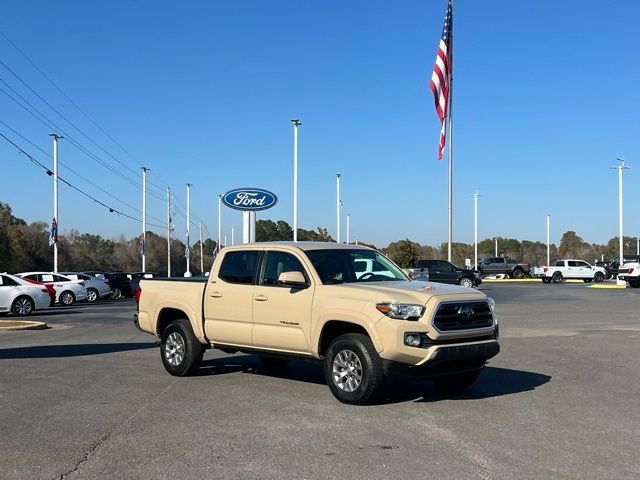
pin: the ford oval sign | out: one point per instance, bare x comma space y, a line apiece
253, 199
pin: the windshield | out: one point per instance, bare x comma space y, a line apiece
349, 266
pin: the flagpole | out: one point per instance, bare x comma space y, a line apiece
450, 197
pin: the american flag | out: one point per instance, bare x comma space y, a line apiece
440, 79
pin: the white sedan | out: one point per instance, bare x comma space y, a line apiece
97, 288
20, 297
68, 291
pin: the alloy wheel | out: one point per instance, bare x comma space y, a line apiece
174, 349
116, 294
67, 298
347, 371
92, 295
22, 307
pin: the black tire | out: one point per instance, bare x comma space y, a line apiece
457, 381
598, 277
273, 362
517, 273
466, 282
180, 350
365, 356
67, 298
546, 280
116, 293
586, 280
92, 295
634, 284
556, 277
22, 306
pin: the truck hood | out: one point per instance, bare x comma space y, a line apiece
415, 291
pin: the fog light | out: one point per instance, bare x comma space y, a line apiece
412, 339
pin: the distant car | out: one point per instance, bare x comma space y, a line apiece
97, 288
631, 274
119, 283
21, 297
137, 276
569, 269
68, 291
613, 266
442, 271
503, 265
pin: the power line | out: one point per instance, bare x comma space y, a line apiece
46, 169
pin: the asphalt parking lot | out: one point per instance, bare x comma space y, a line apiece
89, 399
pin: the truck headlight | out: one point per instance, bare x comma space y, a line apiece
401, 311
492, 304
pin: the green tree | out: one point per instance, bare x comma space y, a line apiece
405, 253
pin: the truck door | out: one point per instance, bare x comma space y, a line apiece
228, 301
282, 315
573, 270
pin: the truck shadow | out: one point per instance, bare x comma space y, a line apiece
493, 381
74, 350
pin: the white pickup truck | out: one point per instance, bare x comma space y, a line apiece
630, 273
569, 269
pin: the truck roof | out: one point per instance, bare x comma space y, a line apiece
304, 246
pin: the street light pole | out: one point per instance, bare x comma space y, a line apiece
296, 123
201, 255
188, 250
219, 222
233, 236
496, 246
55, 137
338, 207
548, 239
348, 226
620, 168
168, 232
476, 194
143, 250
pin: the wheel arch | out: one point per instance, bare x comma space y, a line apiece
168, 314
333, 328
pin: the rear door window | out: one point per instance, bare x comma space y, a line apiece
239, 267
572, 263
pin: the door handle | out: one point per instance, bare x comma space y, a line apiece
215, 294
261, 298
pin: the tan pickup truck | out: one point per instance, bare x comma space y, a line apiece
347, 306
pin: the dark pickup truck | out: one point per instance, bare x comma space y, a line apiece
503, 265
442, 271
613, 266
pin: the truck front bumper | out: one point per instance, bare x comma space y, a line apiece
446, 359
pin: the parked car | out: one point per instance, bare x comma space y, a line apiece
21, 297
119, 283
68, 291
504, 266
137, 276
442, 271
285, 300
569, 269
613, 266
49, 287
97, 288
631, 274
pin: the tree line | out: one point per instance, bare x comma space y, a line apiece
25, 246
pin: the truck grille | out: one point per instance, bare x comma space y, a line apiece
463, 316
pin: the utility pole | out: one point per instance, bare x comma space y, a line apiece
143, 241
548, 239
296, 123
168, 232
348, 226
201, 257
338, 207
620, 168
187, 249
54, 238
219, 222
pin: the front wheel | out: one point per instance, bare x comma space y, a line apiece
116, 293
457, 381
22, 307
518, 274
180, 350
92, 295
598, 277
466, 282
67, 298
557, 277
353, 368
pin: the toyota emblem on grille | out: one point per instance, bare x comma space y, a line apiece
466, 312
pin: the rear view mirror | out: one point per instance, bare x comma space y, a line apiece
292, 279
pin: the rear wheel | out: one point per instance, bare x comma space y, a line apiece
546, 280
353, 368
67, 298
116, 293
180, 350
557, 277
517, 273
466, 282
22, 306
634, 283
598, 277
92, 295
457, 381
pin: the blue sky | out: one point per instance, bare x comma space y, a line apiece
546, 97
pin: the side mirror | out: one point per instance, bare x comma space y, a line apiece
292, 279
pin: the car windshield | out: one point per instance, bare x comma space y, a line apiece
349, 266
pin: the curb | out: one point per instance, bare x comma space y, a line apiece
600, 285
522, 280
22, 325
